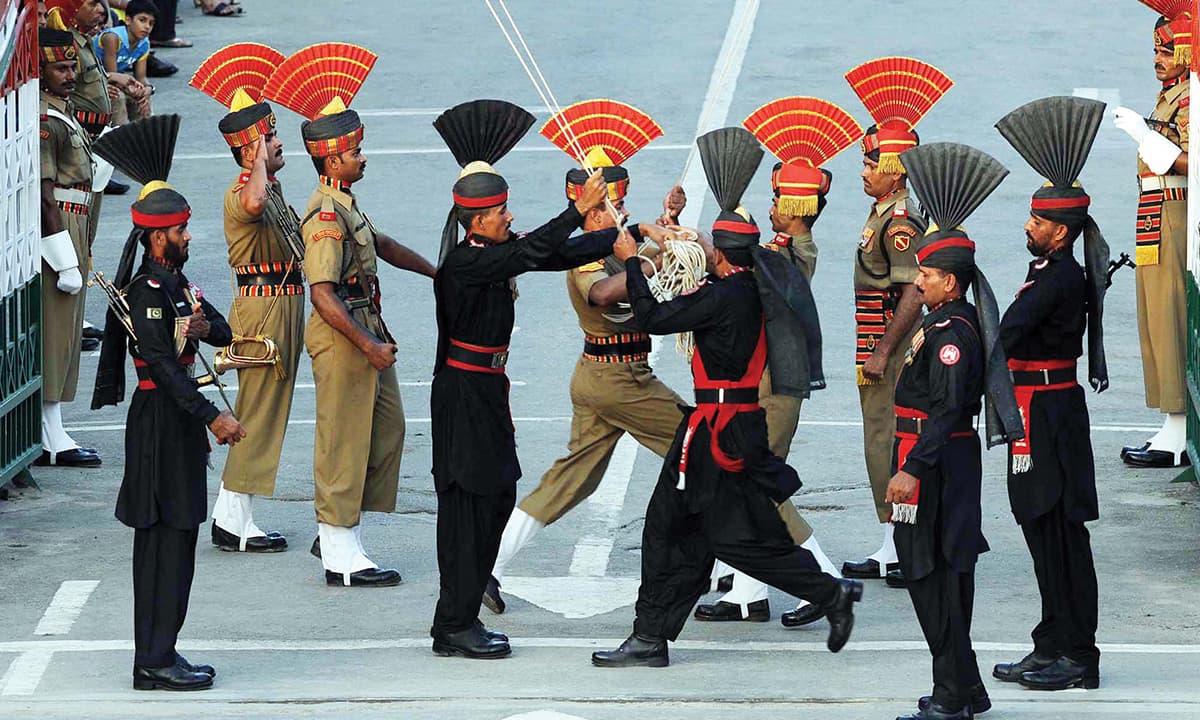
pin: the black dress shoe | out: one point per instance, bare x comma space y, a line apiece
757, 611
840, 613
1012, 672
91, 331
88, 344
1063, 674
980, 702
116, 188
895, 579
801, 616
937, 712
1134, 448
315, 550
1156, 459
182, 662
636, 651
371, 577
172, 677
866, 569
76, 457
490, 634
227, 541
156, 67
491, 596
471, 643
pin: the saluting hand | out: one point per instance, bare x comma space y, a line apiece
901, 487
595, 192
227, 429
197, 326
382, 355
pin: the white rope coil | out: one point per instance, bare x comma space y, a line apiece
683, 267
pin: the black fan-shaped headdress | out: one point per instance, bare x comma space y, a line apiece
951, 181
730, 157
1055, 136
478, 134
143, 150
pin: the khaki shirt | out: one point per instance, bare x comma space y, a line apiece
1174, 107
887, 251
66, 149
335, 232
251, 238
91, 84
799, 249
591, 317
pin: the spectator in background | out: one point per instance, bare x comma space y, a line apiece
163, 35
124, 50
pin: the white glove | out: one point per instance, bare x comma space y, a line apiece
102, 170
1158, 152
59, 253
1132, 122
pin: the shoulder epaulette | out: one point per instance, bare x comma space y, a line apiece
900, 211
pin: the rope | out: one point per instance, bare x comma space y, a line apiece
683, 266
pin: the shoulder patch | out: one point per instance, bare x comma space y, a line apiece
901, 236
154, 313
327, 233
154, 283
327, 216
590, 267
45, 134
949, 355
1184, 102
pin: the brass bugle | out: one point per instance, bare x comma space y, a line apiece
236, 356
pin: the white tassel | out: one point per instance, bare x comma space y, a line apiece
904, 513
1022, 464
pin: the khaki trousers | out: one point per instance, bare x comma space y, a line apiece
879, 428
264, 401
62, 320
783, 416
360, 429
1162, 314
609, 400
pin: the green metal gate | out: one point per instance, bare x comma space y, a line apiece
20, 234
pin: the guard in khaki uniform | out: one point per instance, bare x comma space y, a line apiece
1162, 237
360, 420
66, 177
798, 131
613, 389
887, 304
268, 308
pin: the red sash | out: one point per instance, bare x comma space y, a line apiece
1022, 450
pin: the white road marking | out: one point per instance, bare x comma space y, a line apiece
65, 607
26, 672
431, 151
543, 715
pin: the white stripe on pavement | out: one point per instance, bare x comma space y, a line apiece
65, 607
26, 672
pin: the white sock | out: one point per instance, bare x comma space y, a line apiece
518, 531
341, 552
886, 554
1173, 435
233, 512
54, 437
745, 591
823, 560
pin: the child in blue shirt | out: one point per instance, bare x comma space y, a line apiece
125, 50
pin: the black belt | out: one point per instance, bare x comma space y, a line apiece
637, 347
727, 396
272, 279
914, 426
476, 358
1043, 377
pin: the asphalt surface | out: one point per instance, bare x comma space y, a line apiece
285, 645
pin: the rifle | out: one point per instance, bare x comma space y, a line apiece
1115, 265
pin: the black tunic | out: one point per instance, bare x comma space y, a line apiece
166, 447
1046, 321
474, 446
726, 316
944, 378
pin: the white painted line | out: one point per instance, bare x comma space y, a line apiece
26, 672
543, 715
590, 557
370, 151
101, 427
65, 607
422, 643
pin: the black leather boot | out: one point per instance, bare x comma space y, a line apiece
1011, 672
635, 651
841, 613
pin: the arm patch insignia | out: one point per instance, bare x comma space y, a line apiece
327, 217
327, 233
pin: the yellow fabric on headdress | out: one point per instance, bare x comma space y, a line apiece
241, 100
477, 166
54, 19
890, 164
743, 212
801, 206
597, 158
152, 186
334, 106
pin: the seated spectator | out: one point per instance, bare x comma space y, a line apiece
124, 50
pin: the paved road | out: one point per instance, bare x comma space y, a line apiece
288, 646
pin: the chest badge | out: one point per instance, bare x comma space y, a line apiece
864, 242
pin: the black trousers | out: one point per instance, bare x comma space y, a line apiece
1066, 577
164, 561
944, 600
742, 527
469, 527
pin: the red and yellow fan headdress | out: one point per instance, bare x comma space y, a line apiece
606, 133
804, 133
235, 76
1174, 29
897, 92
60, 14
319, 82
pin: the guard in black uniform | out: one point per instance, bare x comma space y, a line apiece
164, 493
937, 476
720, 485
475, 468
1051, 474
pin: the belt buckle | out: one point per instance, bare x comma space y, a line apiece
920, 425
720, 395
1045, 376
499, 360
